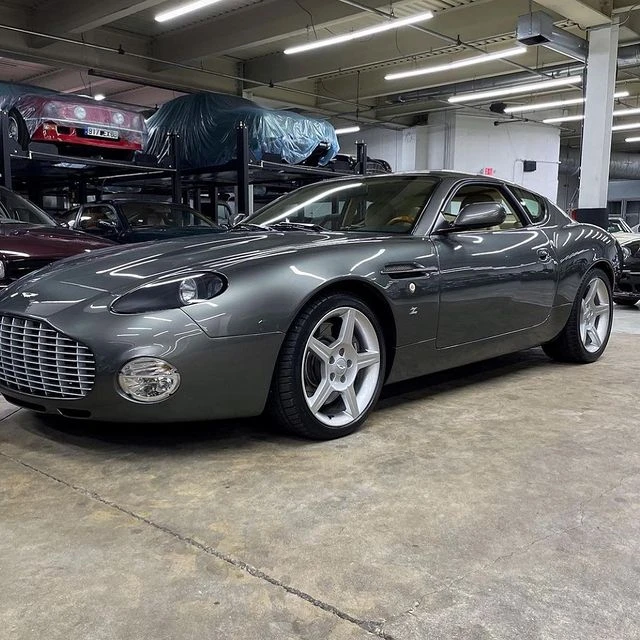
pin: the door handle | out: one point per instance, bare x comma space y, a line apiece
544, 255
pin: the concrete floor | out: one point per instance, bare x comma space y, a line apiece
499, 501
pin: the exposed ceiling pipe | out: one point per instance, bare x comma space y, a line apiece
623, 166
629, 56
495, 82
435, 34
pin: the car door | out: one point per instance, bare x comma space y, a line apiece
100, 220
492, 281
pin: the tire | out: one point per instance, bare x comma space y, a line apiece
18, 129
586, 334
330, 370
626, 302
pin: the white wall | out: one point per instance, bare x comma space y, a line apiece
470, 144
398, 148
479, 144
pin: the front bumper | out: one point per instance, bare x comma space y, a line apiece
68, 134
628, 285
221, 378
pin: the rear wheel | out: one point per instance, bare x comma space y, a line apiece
331, 369
18, 129
626, 302
586, 334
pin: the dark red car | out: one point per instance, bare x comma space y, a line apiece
30, 239
75, 124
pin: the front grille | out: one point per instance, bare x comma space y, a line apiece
37, 360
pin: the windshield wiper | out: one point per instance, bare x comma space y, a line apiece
295, 226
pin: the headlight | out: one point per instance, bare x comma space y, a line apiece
626, 253
80, 113
171, 293
3, 271
51, 109
117, 118
148, 379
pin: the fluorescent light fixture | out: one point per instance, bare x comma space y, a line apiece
543, 106
635, 139
617, 113
458, 64
99, 97
532, 87
563, 119
347, 130
626, 112
394, 23
189, 7
626, 127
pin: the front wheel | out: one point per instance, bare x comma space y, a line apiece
330, 370
18, 129
586, 334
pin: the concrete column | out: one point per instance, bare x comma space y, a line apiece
596, 140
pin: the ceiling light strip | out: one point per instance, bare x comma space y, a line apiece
394, 23
626, 127
458, 64
543, 106
532, 87
632, 139
190, 7
343, 130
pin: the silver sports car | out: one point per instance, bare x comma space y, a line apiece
310, 306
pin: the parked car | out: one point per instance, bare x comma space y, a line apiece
74, 124
206, 123
312, 304
627, 290
619, 225
349, 163
130, 221
30, 239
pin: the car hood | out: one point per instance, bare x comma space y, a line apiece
41, 241
108, 273
626, 238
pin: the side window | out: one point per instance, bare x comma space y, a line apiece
70, 218
474, 193
534, 205
93, 215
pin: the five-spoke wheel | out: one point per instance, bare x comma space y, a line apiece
586, 333
331, 368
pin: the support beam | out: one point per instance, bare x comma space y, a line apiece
63, 17
596, 141
262, 24
474, 23
586, 13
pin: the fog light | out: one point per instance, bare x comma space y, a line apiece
148, 379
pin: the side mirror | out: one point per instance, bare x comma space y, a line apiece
480, 215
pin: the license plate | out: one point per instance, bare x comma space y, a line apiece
101, 133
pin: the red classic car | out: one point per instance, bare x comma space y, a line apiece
75, 124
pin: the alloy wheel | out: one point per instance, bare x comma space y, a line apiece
14, 129
341, 367
595, 312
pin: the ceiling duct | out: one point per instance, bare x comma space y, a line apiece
537, 28
495, 82
623, 166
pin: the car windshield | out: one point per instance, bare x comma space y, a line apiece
14, 209
158, 214
617, 225
389, 204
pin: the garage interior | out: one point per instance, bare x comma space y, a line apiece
496, 500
